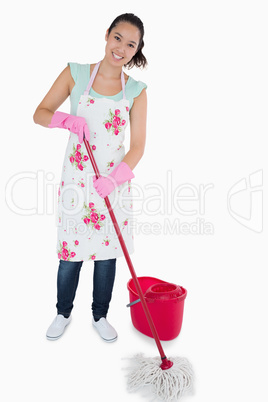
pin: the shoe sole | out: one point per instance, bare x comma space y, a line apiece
109, 340
53, 339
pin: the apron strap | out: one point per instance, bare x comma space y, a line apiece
123, 84
94, 73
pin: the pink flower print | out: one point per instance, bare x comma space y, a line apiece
90, 101
106, 241
76, 242
93, 147
92, 257
62, 183
94, 217
77, 157
59, 256
113, 123
65, 254
123, 122
108, 125
127, 108
64, 244
110, 164
73, 254
82, 185
116, 121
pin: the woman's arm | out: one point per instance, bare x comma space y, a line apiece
138, 115
57, 94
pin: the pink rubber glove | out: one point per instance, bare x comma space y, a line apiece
75, 124
105, 185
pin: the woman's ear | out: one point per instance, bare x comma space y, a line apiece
106, 35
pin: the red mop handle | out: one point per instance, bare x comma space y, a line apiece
129, 262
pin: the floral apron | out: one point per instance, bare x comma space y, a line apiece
85, 229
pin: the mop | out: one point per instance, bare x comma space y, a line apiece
169, 378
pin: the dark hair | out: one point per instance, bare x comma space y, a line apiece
138, 60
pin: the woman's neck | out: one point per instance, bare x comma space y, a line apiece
108, 71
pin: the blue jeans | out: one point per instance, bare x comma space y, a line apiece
103, 282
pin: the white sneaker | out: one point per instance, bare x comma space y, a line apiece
57, 327
105, 330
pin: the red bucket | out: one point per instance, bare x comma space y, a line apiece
165, 302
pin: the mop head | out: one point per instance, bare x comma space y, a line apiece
167, 385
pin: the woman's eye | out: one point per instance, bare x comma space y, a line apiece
117, 37
131, 45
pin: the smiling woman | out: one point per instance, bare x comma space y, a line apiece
138, 59
104, 102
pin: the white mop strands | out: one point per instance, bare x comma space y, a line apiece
168, 385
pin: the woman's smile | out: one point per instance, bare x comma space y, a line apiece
116, 56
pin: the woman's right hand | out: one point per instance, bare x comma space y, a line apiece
75, 124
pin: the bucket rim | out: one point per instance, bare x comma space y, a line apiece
174, 299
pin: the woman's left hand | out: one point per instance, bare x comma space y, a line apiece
105, 185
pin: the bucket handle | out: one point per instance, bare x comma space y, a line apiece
138, 300
134, 302
175, 300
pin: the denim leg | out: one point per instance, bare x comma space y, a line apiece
67, 282
103, 282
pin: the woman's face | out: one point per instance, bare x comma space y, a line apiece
122, 43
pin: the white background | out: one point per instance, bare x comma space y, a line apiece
207, 124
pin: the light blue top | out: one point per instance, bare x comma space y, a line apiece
81, 76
